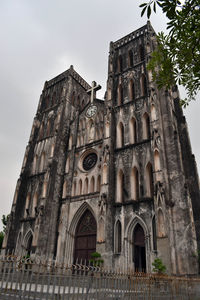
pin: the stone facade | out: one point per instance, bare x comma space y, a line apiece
116, 176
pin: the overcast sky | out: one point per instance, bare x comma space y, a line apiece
42, 38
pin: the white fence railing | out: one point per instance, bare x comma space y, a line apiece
25, 278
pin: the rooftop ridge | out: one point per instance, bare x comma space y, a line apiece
63, 75
129, 37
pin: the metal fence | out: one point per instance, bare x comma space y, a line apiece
25, 278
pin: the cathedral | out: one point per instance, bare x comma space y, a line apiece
115, 176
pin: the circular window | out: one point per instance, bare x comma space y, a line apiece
89, 161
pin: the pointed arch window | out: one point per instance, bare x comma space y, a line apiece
143, 85
130, 58
48, 128
105, 174
161, 225
92, 184
133, 131
154, 233
120, 95
35, 164
42, 162
28, 198
54, 99
118, 237
73, 99
120, 186
86, 186
35, 201
153, 113
99, 183
156, 161
41, 132
135, 184
70, 143
146, 126
64, 194
149, 180
141, 52
80, 187
132, 89
74, 189
44, 190
119, 64
120, 135
52, 150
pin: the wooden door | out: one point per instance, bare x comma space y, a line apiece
85, 239
139, 256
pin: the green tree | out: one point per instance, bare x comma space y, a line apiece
158, 265
176, 60
4, 221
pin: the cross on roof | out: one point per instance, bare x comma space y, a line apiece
93, 90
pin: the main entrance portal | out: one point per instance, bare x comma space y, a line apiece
85, 238
139, 253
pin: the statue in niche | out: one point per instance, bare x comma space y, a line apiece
91, 131
106, 154
102, 204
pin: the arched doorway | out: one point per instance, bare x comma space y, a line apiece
139, 252
85, 237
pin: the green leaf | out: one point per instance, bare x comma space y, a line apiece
148, 11
143, 11
143, 4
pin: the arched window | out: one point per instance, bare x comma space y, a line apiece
141, 52
156, 160
86, 186
153, 113
149, 180
73, 99
99, 183
42, 162
118, 237
120, 95
161, 225
80, 187
78, 141
41, 132
35, 164
67, 165
64, 194
70, 143
131, 89
119, 64
133, 131
120, 186
35, 200
74, 189
130, 58
52, 150
134, 184
48, 128
107, 129
28, 198
105, 174
154, 233
143, 85
146, 126
92, 185
44, 189
54, 98
120, 135
78, 101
